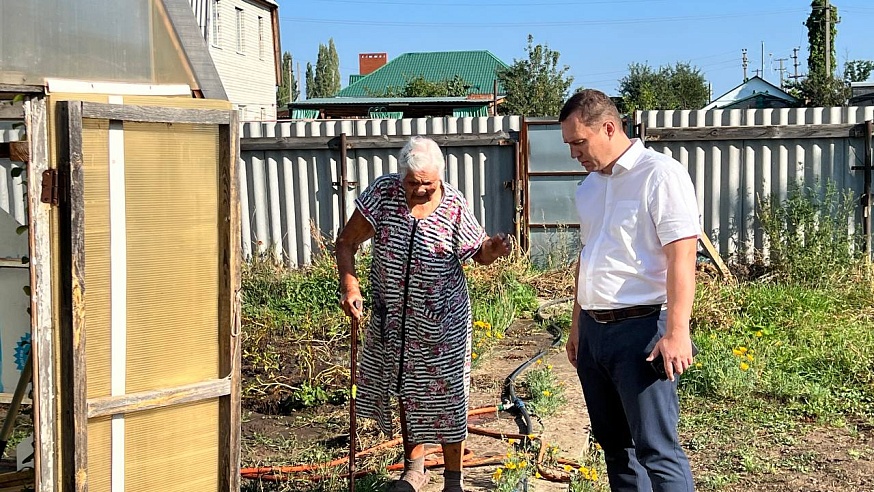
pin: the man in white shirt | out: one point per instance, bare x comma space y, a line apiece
634, 292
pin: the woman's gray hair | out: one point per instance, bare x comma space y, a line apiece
420, 154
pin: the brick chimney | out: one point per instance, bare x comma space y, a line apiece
368, 62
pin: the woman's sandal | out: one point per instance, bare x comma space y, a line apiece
410, 481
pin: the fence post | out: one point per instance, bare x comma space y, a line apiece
866, 196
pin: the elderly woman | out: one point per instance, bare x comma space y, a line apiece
417, 346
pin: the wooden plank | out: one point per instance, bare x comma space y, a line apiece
12, 263
22, 89
229, 304
6, 398
379, 142
72, 323
45, 416
148, 400
19, 151
153, 114
750, 132
10, 110
714, 255
16, 480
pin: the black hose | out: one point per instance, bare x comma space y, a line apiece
512, 403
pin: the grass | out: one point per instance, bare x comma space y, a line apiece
785, 352
546, 393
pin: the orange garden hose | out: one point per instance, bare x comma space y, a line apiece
310, 472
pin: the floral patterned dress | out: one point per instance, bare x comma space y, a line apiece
417, 345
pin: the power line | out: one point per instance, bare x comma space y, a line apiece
572, 23
491, 5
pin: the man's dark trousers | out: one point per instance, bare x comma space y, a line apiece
633, 413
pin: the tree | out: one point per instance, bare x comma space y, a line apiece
821, 87
816, 30
680, 86
288, 90
536, 86
326, 81
419, 86
858, 70
311, 82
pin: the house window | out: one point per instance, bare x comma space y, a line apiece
260, 37
216, 31
240, 44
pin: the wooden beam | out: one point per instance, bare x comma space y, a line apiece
148, 400
714, 255
22, 89
19, 151
230, 254
72, 316
379, 142
751, 132
153, 114
45, 416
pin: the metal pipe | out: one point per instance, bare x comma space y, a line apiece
343, 180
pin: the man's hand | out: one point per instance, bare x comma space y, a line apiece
571, 346
676, 352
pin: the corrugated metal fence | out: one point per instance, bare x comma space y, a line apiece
736, 157
291, 174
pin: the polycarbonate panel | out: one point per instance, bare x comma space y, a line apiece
551, 199
95, 172
554, 247
172, 254
99, 454
163, 443
103, 40
547, 151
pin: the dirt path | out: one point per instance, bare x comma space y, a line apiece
567, 429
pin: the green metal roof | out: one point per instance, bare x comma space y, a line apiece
384, 101
477, 68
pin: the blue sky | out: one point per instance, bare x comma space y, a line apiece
597, 39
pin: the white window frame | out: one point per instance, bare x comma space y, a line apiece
215, 31
241, 31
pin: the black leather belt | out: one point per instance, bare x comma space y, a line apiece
614, 315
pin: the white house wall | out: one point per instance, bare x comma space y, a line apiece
249, 77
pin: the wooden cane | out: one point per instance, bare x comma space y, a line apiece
353, 389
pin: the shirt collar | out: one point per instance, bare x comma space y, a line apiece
627, 160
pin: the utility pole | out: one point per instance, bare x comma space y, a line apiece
290, 85
763, 60
828, 39
795, 62
745, 63
298, 80
781, 70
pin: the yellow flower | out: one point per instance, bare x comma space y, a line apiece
512, 441
759, 334
532, 436
736, 352
743, 350
744, 366
547, 393
497, 475
539, 361
594, 475
499, 335
523, 464
473, 355
549, 366
511, 466
750, 358
698, 364
537, 475
597, 446
568, 468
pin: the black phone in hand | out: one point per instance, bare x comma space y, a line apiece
658, 364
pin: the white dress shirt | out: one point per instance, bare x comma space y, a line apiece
625, 219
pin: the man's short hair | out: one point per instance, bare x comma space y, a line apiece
592, 105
